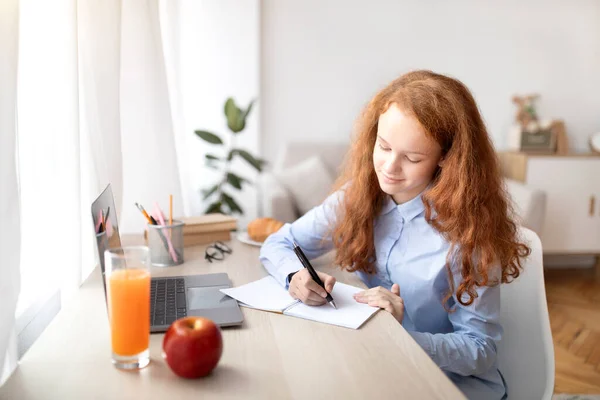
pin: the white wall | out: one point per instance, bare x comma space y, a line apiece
321, 61
219, 57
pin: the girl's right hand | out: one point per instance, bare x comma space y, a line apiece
305, 289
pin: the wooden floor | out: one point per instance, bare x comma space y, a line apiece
574, 306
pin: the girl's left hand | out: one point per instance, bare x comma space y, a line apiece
383, 298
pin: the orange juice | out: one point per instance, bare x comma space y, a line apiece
129, 310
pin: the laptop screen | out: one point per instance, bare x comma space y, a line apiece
106, 228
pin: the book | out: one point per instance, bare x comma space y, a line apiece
268, 295
193, 239
209, 223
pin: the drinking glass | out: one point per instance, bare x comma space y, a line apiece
128, 287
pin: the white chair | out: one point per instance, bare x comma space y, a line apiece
526, 353
529, 204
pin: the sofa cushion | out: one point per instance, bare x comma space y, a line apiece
308, 182
332, 154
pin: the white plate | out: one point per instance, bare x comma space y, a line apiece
244, 238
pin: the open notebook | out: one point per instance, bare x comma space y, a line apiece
268, 295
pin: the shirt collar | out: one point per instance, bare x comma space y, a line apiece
408, 210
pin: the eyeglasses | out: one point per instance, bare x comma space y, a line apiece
216, 251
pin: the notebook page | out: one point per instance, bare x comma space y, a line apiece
349, 313
263, 294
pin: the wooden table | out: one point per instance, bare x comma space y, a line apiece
269, 356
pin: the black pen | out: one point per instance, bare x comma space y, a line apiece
312, 272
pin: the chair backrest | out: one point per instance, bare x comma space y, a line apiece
331, 153
529, 204
526, 353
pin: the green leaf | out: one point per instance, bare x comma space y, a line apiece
255, 162
245, 114
231, 203
214, 208
235, 122
207, 193
211, 157
231, 154
234, 180
239, 126
209, 137
211, 165
230, 107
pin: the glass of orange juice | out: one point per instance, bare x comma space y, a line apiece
128, 294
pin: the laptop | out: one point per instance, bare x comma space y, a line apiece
171, 298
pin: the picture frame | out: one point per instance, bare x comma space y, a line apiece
545, 138
541, 140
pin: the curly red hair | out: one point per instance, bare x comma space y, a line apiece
471, 207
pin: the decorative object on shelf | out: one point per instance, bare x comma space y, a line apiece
550, 137
222, 201
526, 114
595, 142
531, 135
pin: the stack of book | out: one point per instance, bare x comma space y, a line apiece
208, 228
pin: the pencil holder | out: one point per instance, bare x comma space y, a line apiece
166, 244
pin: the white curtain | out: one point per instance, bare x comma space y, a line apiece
170, 28
99, 44
150, 171
9, 195
92, 106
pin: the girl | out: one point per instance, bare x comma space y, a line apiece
421, 215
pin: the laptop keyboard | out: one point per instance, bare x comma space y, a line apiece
167, 300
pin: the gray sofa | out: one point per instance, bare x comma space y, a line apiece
278, 200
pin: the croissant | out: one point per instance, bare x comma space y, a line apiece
260, 228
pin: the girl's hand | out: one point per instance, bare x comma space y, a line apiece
303, 288
383, 298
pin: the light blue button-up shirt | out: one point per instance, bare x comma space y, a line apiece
412, 254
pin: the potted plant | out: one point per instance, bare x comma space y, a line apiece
221, 200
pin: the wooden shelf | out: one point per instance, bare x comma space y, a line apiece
572, 189
521, 153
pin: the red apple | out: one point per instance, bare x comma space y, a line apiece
192, 346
